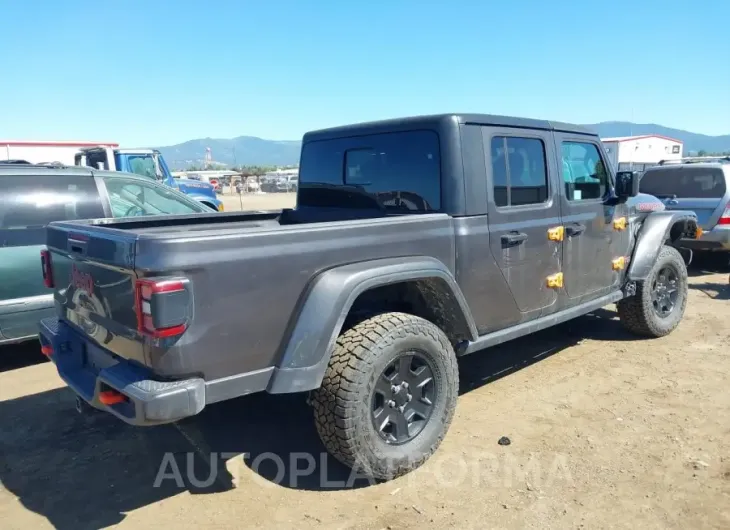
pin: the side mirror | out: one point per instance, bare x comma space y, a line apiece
627, 184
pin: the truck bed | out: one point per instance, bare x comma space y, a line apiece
165, 224
248, 273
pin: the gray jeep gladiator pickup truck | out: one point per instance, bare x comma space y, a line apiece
414, 241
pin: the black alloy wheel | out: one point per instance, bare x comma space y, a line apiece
664, 291
403, 398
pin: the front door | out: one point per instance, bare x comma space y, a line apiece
523, 207
596, 234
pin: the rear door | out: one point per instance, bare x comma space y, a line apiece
697, 187
28, 202
522, 208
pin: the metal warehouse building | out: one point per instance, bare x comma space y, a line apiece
636, 153
36, 152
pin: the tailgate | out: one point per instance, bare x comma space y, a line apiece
707, 210
94, 284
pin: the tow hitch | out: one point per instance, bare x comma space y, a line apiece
82, 407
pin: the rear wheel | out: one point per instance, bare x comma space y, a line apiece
388, 395
658, 306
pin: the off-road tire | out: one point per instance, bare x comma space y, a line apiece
342, 405
637, 312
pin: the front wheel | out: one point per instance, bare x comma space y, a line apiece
388, 395
658, 306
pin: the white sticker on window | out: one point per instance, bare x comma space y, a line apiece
577, 195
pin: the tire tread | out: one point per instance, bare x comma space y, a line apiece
335, 402
637, 314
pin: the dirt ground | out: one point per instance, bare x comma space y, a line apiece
606, 431
257, 201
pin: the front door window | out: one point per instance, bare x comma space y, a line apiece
584, 173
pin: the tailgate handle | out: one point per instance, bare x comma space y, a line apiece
76, 246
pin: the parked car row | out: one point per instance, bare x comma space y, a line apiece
279, 184
31, 196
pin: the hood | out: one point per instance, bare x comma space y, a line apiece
643, 204
189, 186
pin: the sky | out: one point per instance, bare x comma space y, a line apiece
160, 72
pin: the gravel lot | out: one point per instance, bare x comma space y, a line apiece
605, 430
254, 201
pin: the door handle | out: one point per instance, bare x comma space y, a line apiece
513, 238
575, 230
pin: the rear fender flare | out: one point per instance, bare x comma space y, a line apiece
658, 228
321, 315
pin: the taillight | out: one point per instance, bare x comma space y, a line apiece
162, 306
46, 268
725, 217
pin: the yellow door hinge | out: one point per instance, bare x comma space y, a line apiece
618, 263
556, 233
620, 223
555, 280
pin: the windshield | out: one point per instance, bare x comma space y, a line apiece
130, 197
143, 165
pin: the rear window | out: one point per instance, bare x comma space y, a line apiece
29, 202
684, 182
131, 197
395, 172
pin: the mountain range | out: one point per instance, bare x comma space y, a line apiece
253, 151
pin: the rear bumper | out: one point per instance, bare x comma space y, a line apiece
716, 239
90, 370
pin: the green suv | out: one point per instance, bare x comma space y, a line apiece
31, 196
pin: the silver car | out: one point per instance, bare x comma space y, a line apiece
700, 184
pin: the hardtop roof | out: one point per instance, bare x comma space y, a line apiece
39, 169
443, 120
81, 171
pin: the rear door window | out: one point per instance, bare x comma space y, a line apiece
29, 202
684, 182
519, 174
394, 172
